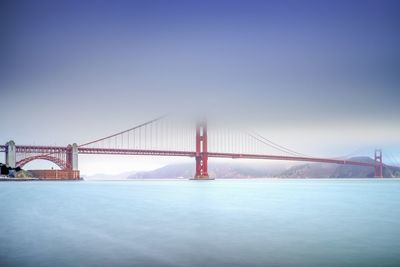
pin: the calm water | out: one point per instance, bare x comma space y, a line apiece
195, 223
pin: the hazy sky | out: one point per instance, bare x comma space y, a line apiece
322, 77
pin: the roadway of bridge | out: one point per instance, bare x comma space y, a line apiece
172, 153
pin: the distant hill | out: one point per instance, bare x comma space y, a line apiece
323, 170
311, 170
220, 170
249, 170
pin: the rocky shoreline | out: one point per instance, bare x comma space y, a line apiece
6, 179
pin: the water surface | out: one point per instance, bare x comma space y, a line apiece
201, 223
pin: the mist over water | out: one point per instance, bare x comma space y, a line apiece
195, 223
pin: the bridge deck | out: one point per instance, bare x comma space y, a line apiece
148, 152
108, 151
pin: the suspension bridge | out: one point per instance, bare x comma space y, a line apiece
164, 137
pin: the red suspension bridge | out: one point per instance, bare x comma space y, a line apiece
163, 137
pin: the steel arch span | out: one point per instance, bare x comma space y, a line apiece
59, 162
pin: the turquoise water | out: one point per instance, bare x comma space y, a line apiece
201, 223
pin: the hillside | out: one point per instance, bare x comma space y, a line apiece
223, 170
321, 170
220, 170
311, 170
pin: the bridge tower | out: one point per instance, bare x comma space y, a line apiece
201, 151
378, 165
72, 157
11, 156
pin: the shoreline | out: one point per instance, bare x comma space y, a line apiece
10, 179
18, 179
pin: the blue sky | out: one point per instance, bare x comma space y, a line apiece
319, 76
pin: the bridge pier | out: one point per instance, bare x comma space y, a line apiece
11, 156
201, 152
